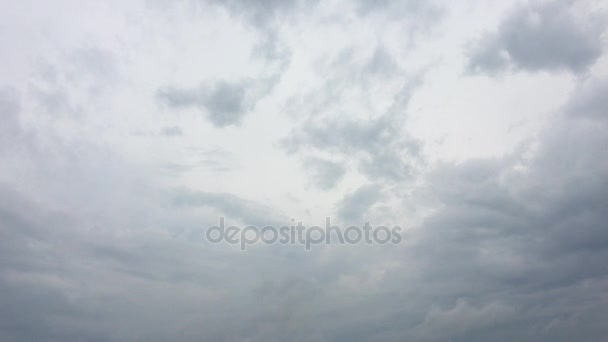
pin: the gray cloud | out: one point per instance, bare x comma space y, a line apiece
10, 107
33, 295
591, 102
94, 248
249, 212
326, 173
354, 205
266, 15
531, 226
224, 102
70, 87
263, 14
211, 160
536, 37
171, 131
515, 250
64, 279
345, 72
419, 15
382, 63
379, 146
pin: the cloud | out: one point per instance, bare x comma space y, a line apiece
373, 144
36, 282
379, 146
420, 15
456, 321
212, 159
224, 102
10, 107
372, 139
591, 102
263, 14
231, 206
546, 36
500, 256
354, 205
326, 173
171, 131
382, 63
71, 86
525, 223
99, 243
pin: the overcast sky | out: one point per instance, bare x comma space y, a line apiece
127, 128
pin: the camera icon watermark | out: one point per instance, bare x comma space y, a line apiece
299, 234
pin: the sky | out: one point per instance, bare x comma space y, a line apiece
128, 128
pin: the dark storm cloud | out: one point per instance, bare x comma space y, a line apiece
538, 37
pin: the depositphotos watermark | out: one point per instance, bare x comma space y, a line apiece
299, 234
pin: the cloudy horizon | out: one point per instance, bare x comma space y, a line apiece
479, 128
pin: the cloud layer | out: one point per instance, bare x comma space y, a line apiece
129, 129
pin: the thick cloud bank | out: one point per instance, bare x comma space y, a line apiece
128, 129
